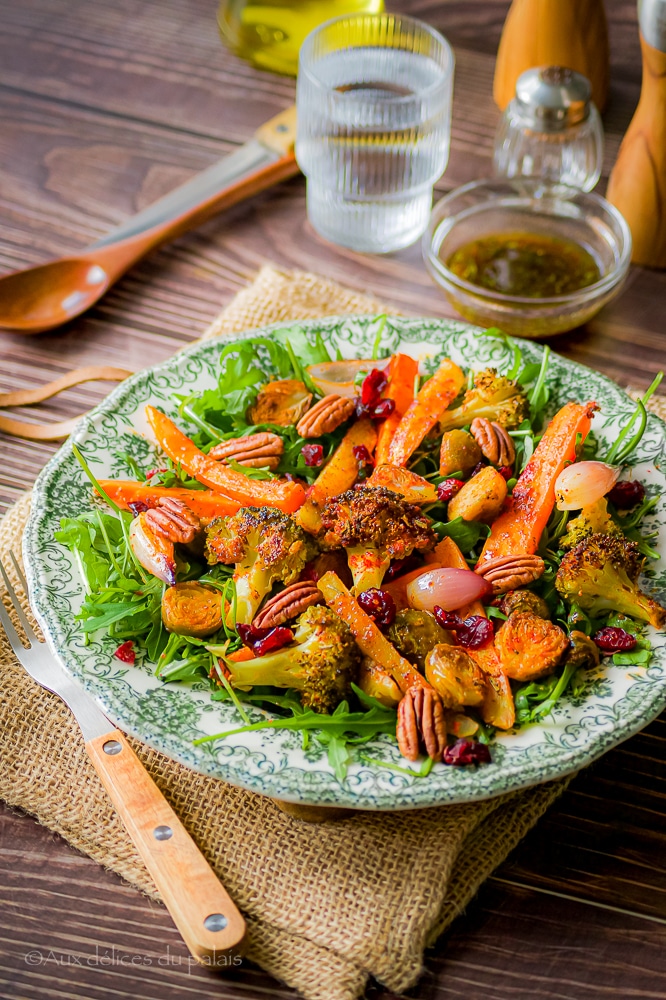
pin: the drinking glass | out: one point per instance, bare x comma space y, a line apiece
374, 122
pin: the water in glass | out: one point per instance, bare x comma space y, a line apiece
373, 137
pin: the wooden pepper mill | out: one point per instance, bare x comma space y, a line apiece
637, 184
571, 33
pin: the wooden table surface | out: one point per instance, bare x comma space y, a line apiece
104, 107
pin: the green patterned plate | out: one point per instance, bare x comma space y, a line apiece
618, 701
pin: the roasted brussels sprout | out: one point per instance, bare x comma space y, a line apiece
582, 651
515, 601
192, 609
415, 633
282, 402
459, 453
455, 676
529, 647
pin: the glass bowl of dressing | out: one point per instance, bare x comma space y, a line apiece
531, 262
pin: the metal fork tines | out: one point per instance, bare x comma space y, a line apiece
42, 665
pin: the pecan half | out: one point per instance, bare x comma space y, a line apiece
509, 572
261, 450
421, 722
289, 603
325, 416
494, 441
173, 520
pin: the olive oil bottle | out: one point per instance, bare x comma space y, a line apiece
269, 33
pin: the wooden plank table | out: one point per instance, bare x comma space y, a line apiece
104, 108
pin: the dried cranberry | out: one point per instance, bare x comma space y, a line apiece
474, 632
477, 468
467, 752
379, 605
363, 460
360, 409
448, 489
614, 640
383, 409
310, 572
138, 507
125, 652
154, 472
362, 455
265, 640
400, 566
626, 494
506, 472
373, 385
447, 619
313, 455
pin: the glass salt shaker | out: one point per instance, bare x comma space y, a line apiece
551, 132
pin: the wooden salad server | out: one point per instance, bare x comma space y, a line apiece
210, 923
43, 297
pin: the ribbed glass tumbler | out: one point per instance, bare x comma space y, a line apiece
374, 124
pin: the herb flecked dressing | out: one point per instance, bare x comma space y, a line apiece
530, 265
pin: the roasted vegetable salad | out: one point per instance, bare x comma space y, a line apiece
362, 547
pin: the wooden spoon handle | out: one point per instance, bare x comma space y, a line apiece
210, 923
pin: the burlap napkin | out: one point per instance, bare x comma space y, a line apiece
327, 905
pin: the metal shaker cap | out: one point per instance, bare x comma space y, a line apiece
652, 22
552, 98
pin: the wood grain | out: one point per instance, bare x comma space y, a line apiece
103, 108
190, 889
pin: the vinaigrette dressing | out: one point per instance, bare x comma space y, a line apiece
530, 265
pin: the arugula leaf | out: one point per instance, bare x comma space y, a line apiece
424, 770
465, 534
307, 353
338, 756
371, 723
621, 449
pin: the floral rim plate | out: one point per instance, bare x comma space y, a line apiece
617, 702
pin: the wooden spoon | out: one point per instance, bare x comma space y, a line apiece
43, 297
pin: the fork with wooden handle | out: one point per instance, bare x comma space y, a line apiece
202, 910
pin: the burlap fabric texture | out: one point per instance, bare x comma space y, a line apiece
327, 905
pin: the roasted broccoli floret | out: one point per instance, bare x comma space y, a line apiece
492, 396
601, 574
374, 525
592, 520
320, 664
414, 633
266, 547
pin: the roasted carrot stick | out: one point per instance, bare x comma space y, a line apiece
286, 496
402, 372
206, 504
242, 654
519, 527
338, 475
423, 412
368, 637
